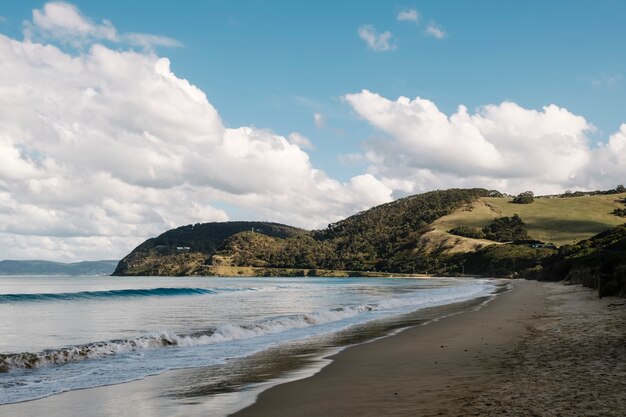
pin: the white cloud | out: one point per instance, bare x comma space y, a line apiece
103, 148
379, 42
319, 120
64, 22
408, 15
300, 140
501, 146
435, 31
608, 167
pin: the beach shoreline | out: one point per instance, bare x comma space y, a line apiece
540, 349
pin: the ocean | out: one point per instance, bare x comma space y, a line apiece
60, 333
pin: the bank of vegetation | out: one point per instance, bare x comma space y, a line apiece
413, 235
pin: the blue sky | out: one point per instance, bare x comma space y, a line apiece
542, 85
272, 64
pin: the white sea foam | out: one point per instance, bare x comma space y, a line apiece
226, 332
203, 323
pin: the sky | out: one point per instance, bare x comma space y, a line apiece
121, 120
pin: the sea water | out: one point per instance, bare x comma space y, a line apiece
65, 333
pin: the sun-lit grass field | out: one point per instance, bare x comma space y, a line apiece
557, 220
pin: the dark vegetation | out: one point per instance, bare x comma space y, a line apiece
506, 229
526, 197
466, 231
568, 193
599, 263
500, 260
383, 238
386, 238
502, 229
204, 238
620, 212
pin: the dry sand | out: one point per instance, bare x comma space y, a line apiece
539, 350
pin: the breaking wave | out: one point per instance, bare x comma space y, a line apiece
224, 333
219, 334
95, 295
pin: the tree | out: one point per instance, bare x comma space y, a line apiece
620, 189
526, 197
506, 229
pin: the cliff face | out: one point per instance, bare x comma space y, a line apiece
182, 251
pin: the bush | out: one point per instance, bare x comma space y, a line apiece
465, 231
506, 229
620, 212
506, 260
526, 197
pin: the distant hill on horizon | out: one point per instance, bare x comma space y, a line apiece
38, 267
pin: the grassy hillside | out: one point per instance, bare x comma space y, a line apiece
385, 238
407, 236
557, 220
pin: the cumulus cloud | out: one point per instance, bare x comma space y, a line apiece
103, 148
64, 22
379, 42
609, 162
408, 15
502, 146
435, 31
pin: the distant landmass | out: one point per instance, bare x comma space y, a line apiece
9, 267
445, 233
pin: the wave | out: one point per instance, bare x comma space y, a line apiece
220, 334
95, 295
224, 333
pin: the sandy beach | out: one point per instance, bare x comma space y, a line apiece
542, 349
539, 350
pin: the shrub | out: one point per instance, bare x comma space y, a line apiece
506, 229
465, 231
526, 197
620, 212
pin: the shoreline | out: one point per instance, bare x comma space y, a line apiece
538, 349
517, 355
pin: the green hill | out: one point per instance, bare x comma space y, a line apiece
182, 250
562, 221
410, 236
384, 238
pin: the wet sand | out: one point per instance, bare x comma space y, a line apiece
539, 350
